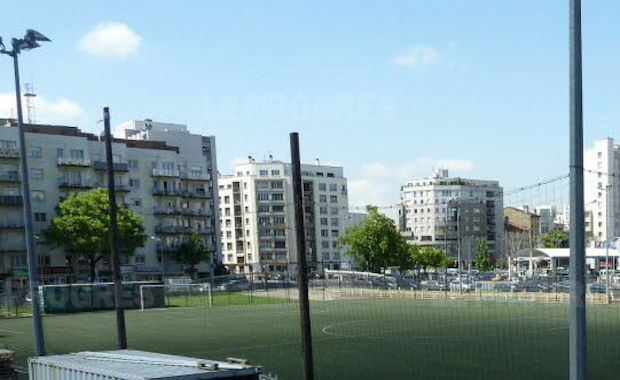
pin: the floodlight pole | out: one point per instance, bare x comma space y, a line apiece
121, 332
577, 334
302, 270
33, 280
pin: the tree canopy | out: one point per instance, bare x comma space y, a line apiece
375, 243
556, 239
192, 251
483, 259
82, 227
429, 257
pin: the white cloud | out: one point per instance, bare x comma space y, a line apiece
60, 110
110, 40
379, 183
417, 54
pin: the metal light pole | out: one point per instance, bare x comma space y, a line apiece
302, 271
607, 225
577, 334
121, 330
27, 43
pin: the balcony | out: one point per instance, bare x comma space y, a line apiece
166, 211
6, 225
11, 200
120, 187
197, 194
195, 176
117, 166
166, 192
204, 230
79, 162
166, 230
167, 247
165, 172
9, 153
9, 176
69, 184
196, 212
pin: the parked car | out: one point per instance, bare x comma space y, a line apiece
597, 287
433, 285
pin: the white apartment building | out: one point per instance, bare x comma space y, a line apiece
257, 216
602, 189
164, 176
429, 208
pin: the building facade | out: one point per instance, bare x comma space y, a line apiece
602, 189
443, 212
257, 217
166, 179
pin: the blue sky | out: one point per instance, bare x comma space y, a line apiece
388, 89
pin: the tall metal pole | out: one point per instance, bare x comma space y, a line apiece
577, 336
33, 280
302, 270
607, 225
121, 332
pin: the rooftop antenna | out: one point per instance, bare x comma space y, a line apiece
30, 104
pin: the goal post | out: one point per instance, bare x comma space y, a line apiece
183, 295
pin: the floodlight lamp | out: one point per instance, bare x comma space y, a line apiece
33, 35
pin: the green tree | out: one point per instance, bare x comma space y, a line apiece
375, 243
192, 251
429, 257
483, 259
556, 239
82, 227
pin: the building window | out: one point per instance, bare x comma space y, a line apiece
323, 210
335, 233
36, 173
322, 186
263, 173
333, 187
262, 185
60, 152
275, 172
37, 195
263, 196
324, 233
334, 211
276, 184
134, 183
333, 199
334, 221
277, 197
140, 259
40, 217
325, 244
34, 152
77, 154
227, 199
263, 208
277, 209
323, 198
323, 221
132, 164
325, 255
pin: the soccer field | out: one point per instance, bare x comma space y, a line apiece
354, 339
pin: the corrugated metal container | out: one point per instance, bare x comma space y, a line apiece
134, 365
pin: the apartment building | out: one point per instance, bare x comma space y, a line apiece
257, 217
165, 177
602, 189
443, 212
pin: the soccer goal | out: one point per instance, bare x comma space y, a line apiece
175, 294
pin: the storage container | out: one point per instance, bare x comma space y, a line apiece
135, 365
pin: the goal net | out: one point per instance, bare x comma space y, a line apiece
175, 294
